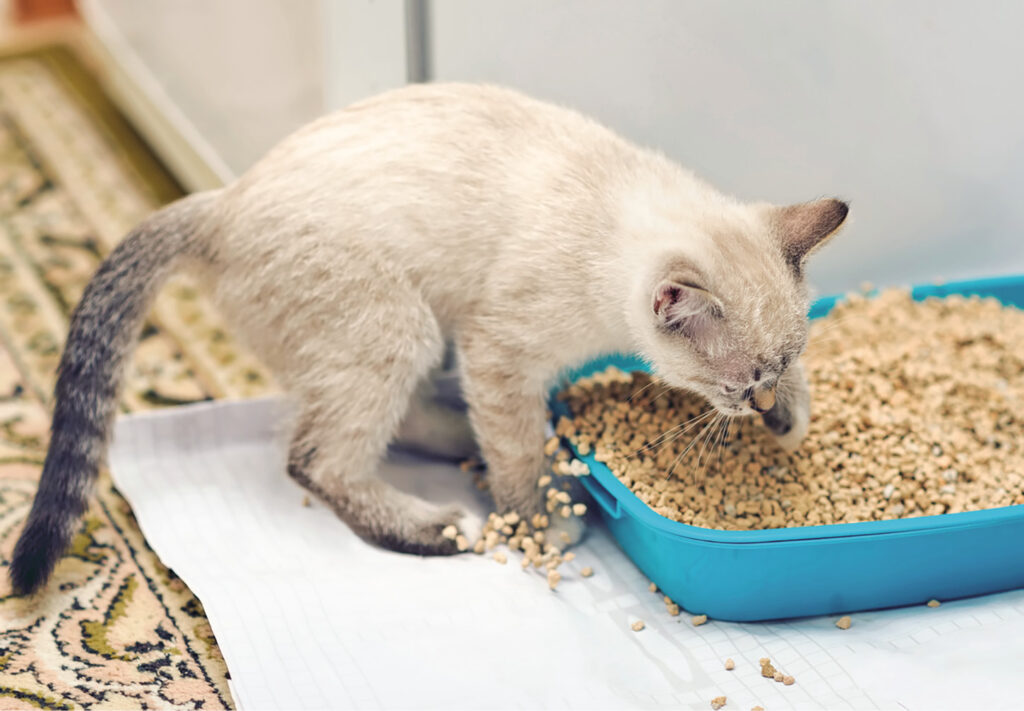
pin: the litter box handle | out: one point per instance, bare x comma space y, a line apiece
605, 500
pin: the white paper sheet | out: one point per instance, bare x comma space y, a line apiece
310, 617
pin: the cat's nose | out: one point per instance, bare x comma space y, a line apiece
763, 398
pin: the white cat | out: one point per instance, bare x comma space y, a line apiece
531, 236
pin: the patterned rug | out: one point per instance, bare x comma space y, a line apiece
114, 628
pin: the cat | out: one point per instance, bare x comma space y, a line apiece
530, 236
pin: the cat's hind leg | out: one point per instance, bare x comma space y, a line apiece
352, 400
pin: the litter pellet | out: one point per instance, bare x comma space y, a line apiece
565, 511
843, 623
500, 557
717, 702
915, 413
551, 446
449, 532
730, 664
306, 501
544, 481
767, 670
934, 603
579, 509
553, 578
638, 625
587, 572
778, 676
568, 557
698, 620
478, 547
461, 543
757, 708
673, 609
788, 680
652, 587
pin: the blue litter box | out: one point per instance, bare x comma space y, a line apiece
815, 570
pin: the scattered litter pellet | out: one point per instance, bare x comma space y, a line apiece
638, 625
306, 501
579, 509
916, 413
730, 664
568, 557
544, 481
553, 578
698, 620
843, 623
788, 680
717, 702
767, 670
777, 676
934, 603
449, 532
757, 708
587, 572
551, 446
673, 609
461, 543
652, 587
500, 557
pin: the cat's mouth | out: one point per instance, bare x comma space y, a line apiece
753, 401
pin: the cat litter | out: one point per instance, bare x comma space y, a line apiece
843, 623
915, 412
718, 702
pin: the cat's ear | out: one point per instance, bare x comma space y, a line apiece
682, 305
803, 228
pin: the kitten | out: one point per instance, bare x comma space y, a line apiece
531, 236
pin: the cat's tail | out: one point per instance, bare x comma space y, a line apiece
104, 330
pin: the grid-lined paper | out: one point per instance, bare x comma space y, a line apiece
310, 617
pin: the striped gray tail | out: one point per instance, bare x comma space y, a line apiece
104, 330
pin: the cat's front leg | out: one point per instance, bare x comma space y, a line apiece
508, 410
790, 417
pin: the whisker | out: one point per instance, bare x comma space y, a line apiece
641, 390
709, 440
691, 445
660, 439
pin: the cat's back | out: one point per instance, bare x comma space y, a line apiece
466, 133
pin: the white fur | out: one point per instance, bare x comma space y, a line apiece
531, 236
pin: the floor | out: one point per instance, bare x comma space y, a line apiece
114, 627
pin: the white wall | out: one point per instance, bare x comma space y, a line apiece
244, 73
912, 110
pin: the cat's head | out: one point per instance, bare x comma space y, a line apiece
725, 309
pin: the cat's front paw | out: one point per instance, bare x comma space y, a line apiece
564, 532
788, 424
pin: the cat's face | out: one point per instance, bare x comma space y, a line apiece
728, 322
